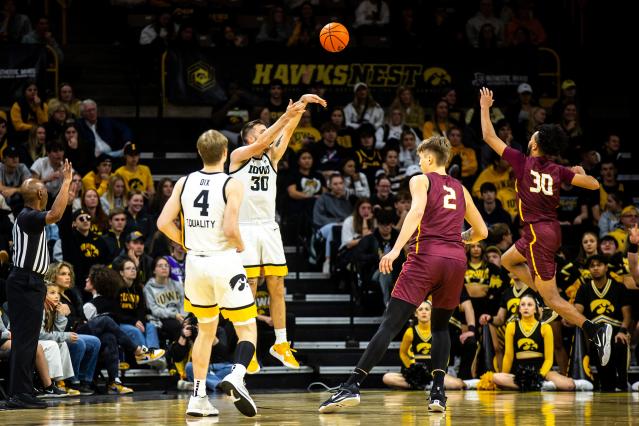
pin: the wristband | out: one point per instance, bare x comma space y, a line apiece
623, 330
471, 328
632, 248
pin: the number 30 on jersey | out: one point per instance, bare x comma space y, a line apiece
542, 182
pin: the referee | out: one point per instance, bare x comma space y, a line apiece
25, 286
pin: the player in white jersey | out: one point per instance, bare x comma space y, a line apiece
255, 165
208, 204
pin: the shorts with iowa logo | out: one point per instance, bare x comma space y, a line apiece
217, 283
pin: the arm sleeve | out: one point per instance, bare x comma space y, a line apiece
565, 174
319, 218
516, 159
32, 222
90, 311
348, 232
546, 333
16, 119
509, 348
361, 187
404, 348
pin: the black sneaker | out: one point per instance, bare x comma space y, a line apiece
437, 400
25, 401
602, 341
84, 388
345, 396
53, 392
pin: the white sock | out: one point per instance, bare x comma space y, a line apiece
280, 336
239, 370
199, 387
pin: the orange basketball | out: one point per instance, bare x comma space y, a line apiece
334, 37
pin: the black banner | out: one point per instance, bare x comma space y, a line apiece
18, 64
192, 78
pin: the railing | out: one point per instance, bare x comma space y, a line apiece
53, 68
550, 79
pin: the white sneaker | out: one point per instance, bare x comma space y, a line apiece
199, 406
471, 384
233, 386
548, 386
584, 385
635, 387
184, 385
326, 267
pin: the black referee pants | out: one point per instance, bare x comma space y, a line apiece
25, 294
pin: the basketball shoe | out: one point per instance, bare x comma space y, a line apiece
284, 353
233, 386
602, 341
200, 406
344, 396
118, 388
437, 400
149, 355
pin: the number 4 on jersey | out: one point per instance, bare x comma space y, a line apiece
202, 202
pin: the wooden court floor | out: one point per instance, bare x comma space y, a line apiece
395, 408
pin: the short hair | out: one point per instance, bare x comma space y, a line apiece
501, 124
85, 103
403, 196
498, 231
333, 176
439, 146
248, 127
486, 187
55, 105
211, 146
132, 193
116, 211
551, 139
53, 146
384, 217
329, 126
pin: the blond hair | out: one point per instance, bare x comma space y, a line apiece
439, 146
54, 270
211, 146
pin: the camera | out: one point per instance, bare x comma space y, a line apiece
190, 322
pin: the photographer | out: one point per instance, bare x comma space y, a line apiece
180, 352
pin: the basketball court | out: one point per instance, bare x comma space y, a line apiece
377, 408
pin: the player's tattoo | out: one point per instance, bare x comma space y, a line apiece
278, 141
466, 235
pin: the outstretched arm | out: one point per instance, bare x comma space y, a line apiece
170, 212
582, 180
633, 257
487, 129
478, 230
244, 153
281, 143
418, 189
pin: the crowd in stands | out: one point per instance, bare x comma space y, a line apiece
115, 295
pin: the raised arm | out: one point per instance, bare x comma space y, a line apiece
231, 226
170, 212
478, 229
418, 189
582, 180
281, 143
487, 129
60, 203
244, 153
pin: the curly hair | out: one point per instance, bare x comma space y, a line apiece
54, 270
106, 281
551, 138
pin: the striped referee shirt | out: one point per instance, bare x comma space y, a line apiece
29, 241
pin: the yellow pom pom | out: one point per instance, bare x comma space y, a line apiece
486, 382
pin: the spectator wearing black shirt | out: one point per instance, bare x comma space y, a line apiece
327, 154
490, 208
137, 219
12, 175
114, 237
369, 160
134, 250
383, 197
304, 188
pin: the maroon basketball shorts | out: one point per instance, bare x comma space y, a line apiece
539, 243
426, 275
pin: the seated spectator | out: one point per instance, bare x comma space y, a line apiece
449, 94
176, 259
28, 111
402, 203
490, 208
501, 175
77, 150
163, 191
440, 123
363, 109
609, 184
483, 281
41, 34
519, 112
357, 225
537, 118
165, 299
91, 204
390, 134
485, 15
115, 196
463, 155
36, 146
108, 136
54, 323
136, 176
371, 14
276, 28
305, 135
628, 220
345, 135
12, 174
306, 29
609, 219
525, 20
98, 178
573, 206
137, 219
355, 182
66, 98
134, 251
304, 188
13, 25
49, 169
81, 247
330, 209
603, 300
500, 236
611, 151
131, 307
391, 169
4, 133
371, 248
276, 103
369, 160
410, 107
114, 237
383, 198
58, 118
408, 150
327, 154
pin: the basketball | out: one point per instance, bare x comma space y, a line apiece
334, 37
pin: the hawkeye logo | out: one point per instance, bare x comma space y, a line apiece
495, 281
201, 76
423, 348
601, 307
136, 183
239, 279
512, 305
437, 77
89, 250
527, 344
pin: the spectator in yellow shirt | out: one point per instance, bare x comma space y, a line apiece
467, 155
136, 176
98, 178
305, 134
500, 173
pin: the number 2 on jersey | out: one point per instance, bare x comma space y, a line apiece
542, 183
260, 183
449, 199
202, 202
